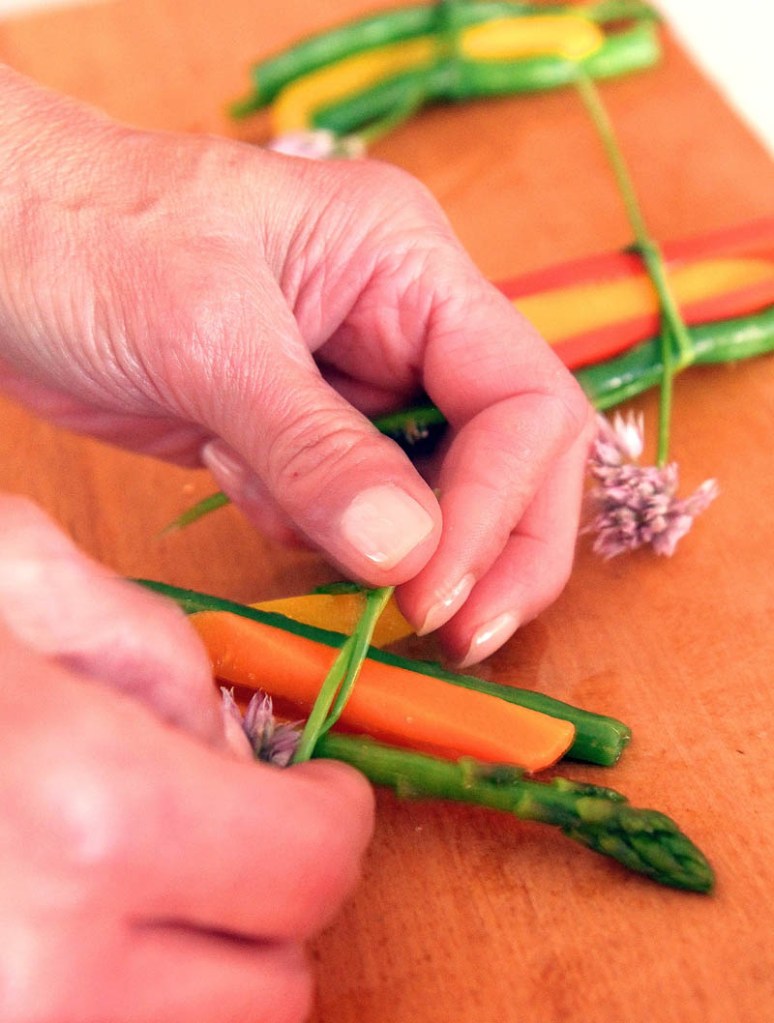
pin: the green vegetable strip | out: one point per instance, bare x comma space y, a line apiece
598, 739
338, 683
642, 840
273, 74
376, 601
673, 328
640, 368
457, 79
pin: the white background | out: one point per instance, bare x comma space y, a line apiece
731, 39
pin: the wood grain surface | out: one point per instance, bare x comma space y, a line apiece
464, 916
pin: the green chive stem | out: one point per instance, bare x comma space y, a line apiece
338, 683
673, 328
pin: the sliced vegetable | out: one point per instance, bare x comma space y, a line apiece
405, 24
364, 91
598, 739
389, 702
593, 309
568, 34
340, 612
294, 108
363, 35
638, 369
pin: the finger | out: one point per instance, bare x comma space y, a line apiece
349, 490
174, 972
252, 849
516, 411
239, 482
62, 604
145, 823
99, 965
294, 843
529, 573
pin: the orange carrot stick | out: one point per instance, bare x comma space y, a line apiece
388, 703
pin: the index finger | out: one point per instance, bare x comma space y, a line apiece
516, 414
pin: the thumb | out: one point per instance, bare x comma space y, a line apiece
85, 617
304, 454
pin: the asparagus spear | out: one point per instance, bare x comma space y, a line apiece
601, 818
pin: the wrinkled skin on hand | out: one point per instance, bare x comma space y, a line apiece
147, 873
208, 301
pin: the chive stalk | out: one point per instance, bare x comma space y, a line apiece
340, 680
673, 328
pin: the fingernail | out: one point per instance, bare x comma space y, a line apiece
489, 638
232, 472
223, 462
446, 605
235, 739
384, 524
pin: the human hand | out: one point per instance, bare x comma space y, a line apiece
205, 300
146, 873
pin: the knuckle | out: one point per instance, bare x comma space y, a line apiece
387, 199
375, 177
576, 413
312, 448
87, 823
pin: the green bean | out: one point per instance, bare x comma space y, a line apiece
458, 79
609, 383
317, 51
270, 76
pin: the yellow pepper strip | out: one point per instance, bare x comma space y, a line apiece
541, 35
292, 110
575, 309
571, 36
340, 612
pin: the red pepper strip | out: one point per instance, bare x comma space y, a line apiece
605, 342
754, 239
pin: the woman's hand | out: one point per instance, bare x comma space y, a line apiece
208, 301
147, 874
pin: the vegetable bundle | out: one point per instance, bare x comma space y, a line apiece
450, 736
383, 67
601, 315
592, 309
410, 703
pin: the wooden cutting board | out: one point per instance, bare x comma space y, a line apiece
464, 916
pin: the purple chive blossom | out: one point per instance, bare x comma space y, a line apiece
318, 145
271, 742
637, 505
